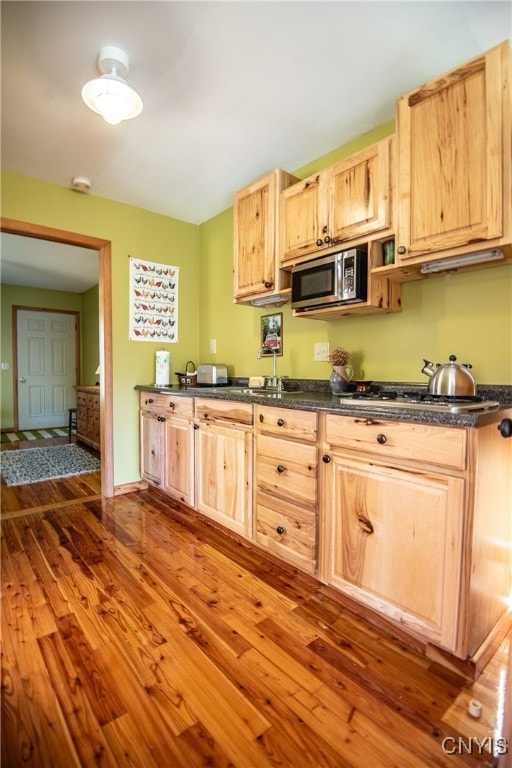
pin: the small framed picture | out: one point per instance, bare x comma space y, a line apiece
272, 334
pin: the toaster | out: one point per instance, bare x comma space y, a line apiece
212, 375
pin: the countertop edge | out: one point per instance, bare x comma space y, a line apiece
323, 402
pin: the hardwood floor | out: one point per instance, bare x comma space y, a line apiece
136, 634
19, 499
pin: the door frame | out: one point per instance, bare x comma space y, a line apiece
18, 308
14, 227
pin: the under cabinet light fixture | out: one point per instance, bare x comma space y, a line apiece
110, 95
444, 265
266, 300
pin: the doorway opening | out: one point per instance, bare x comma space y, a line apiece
103, 247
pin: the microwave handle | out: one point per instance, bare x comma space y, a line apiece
338, 276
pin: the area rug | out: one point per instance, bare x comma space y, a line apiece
36, 464
34, 434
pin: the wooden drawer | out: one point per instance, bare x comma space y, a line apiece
287, 469
224, 411
81, 398
445, 446
286, 530
287, 422
181, 406
93, 402
81, 413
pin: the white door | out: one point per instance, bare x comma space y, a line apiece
46, 368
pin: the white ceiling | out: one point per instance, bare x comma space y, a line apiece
231, 90
36, 263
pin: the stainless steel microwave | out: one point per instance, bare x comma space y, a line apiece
339, 278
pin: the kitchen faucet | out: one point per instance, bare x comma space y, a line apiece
275, 383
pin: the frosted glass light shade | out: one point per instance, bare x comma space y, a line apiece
112, 98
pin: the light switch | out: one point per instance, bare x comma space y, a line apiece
213, 346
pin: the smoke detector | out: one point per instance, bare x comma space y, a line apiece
80, 183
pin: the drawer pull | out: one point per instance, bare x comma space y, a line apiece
160, 418
505, 427
280, 530
281, 422
280, 468
172, 405
150, 400
381, 439
326, 458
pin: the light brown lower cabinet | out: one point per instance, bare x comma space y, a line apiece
416, 525
286, 484
167, 444
410, 520
224, 457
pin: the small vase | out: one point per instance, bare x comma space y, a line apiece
339, 379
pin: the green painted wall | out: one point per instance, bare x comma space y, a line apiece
136, 232
469, 315
90, 335
16, 295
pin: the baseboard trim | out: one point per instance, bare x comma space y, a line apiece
141, 485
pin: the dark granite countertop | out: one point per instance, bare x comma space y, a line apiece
304, 395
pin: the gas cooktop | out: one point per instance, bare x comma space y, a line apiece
419, 401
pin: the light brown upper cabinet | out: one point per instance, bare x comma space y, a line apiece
349, 200
256, 272
454, 162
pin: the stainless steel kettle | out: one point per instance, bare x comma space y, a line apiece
451, 379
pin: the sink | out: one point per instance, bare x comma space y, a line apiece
256, 392
278, 395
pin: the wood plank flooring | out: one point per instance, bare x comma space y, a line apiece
19, 499
136, 634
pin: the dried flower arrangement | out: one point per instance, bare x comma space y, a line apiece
339, 356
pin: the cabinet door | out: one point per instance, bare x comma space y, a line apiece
393, 541
361, 192
303, 217
451, 145
179, 459
255, 235
224, 475
151, 446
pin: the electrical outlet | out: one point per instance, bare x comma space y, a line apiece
213, 346
321, 354
6, 366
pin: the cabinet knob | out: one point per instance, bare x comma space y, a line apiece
280, 468
196, 426
401, 249
281, 422
268, 284
172, 405
505, 427
327, 239
381, 439
319, 242
280, 530
161, 418
150, 400
326, 458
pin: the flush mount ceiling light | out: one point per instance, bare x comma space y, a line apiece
110, 95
